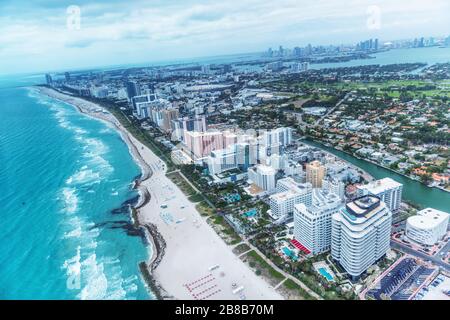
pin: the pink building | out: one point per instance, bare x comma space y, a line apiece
200, 144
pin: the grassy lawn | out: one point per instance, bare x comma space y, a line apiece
224, 230
182, 184
241, 249
204, 209
143, 137
383, 87
294, 291
257, 262
196, 198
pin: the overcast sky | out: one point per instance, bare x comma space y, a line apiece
45, 34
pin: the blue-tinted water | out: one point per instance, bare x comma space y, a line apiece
325, 273
64, 177
429, 55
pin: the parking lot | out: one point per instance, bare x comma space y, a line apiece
403, 281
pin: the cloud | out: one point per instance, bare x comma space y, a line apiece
160, 29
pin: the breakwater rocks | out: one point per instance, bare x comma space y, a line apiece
158, 291
159, 245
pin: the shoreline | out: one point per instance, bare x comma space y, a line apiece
183, 234
157, 250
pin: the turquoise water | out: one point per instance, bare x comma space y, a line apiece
325, 273
65, 185
429, 55
251, 213
413, 191
289, 253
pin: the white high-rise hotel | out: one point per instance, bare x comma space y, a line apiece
263, 176
312, 223
289, 194
361, 234
274, 141
388, 190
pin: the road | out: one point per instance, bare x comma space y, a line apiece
332, 109
435, 259
285, 274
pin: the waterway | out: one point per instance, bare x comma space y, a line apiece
413, 191
429, 55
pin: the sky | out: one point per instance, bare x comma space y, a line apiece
51, 35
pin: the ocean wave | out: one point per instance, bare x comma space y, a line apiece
84, 176
70, 199
96, 283
95, 146
73, 265
75, 233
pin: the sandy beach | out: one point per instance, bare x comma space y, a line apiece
195, 262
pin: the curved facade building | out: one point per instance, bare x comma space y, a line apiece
360, 234
428, 226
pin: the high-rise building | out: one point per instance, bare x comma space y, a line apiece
308, 50
360, 234
315, 172
335, 186
233, 157
48, 79
387, 189
140, 99
274, 141
282, 203
200, 144
133, 89
428, 226
67, 76
293, 169
143, 109
180, 126
206, 69
263, 176
275, 66
299, 67
222, 160
312, 223
168, 115
227, 68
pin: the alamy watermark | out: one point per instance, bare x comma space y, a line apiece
373, 21
73, 20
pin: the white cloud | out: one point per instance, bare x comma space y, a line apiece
161, 29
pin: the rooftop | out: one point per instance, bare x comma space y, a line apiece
428, 218
381, 185
362, 206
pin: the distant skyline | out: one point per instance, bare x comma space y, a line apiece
47, 35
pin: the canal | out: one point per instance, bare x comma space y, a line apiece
413, 191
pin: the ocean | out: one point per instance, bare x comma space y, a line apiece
65, 185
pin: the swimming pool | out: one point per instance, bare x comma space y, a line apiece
326, 274
289, 253
251, 213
